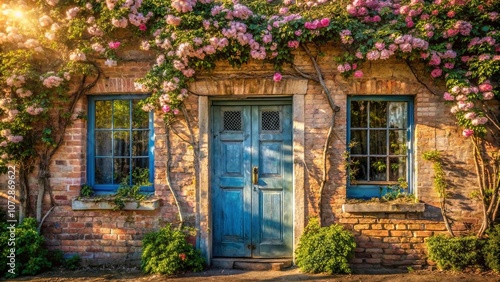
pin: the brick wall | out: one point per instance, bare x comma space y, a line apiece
384, 239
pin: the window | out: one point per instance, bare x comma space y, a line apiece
120, 143
379, 136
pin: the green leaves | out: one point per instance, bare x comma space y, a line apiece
167, 251
325, 249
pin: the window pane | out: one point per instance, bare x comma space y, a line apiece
398, 116
103, 170
121, 146
378, 114
140, 118
397, 168
397, 142
140, 174
378, 169
103, 114
358, 142
358, 114
121, 170
121, 114
358, 169
140, 142
103, 143
378, 142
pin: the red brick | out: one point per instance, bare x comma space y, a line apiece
375, 233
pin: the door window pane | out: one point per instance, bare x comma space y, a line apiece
232, 120
270, 121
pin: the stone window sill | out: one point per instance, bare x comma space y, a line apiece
383, 207
79, 204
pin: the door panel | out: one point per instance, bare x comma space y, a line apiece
252, 220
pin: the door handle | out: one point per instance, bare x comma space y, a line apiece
255, 175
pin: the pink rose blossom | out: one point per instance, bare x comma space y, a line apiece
468, 132
293, 44
479, 120
436, 72
485, 87
277, 77
114, 44
470, 115
358, 74
448, 97
325, 22
488, 95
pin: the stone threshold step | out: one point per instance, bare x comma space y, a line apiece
251, 264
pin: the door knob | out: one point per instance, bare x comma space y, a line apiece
255, 175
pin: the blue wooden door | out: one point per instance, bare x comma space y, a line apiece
252, 201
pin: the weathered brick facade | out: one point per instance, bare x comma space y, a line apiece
384, 239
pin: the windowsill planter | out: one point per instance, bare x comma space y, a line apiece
383, 207
79, 204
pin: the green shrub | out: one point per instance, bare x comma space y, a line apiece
492, 249
30, 252
325, 249
72, 263
455, 253
166, 251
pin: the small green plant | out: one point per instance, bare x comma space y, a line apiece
398, 192
86, 191
492, 249
325, 249
410, 269
72, 263
166, 251
30, 257
127, 192
56, 257
455, 253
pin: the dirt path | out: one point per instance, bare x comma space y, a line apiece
229, 275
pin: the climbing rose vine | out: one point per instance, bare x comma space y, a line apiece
43, 44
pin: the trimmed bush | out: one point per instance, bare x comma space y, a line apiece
30, 252
455, 253
492, 249
325, 249
166, 251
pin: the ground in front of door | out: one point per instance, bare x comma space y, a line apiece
230, 275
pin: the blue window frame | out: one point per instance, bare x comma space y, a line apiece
379, 138
120, 143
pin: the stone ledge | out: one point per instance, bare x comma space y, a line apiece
106, 204
383, 207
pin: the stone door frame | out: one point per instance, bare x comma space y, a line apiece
241, 89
